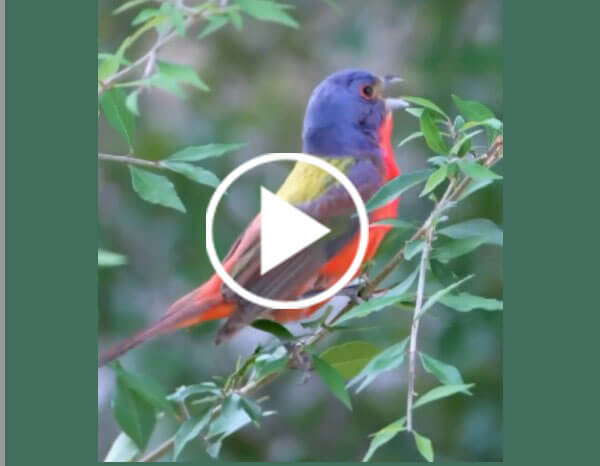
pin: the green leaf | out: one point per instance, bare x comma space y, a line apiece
393, 296
350, 358
231, 418
442, 272
467, 137
445, 373
110, 259
413, 248
452, 249
188, 431
146, 387
236, 19
424, 446
425, 103
492, 123
176, 18
252, 408
197, 153
442, 391
434, 298
198, 174
416, 112
459, 122
108, 66
472, 110
474, 186
480, 227
410, 137
214, 24
396, 187
128, 5
465, 302
131, 102
395, 223
384, 435
185, 391
116, 113
122, 450
333, 379
181, 73
214, 448
388, 359
477, 171
438, 160
267, 364
266, 10
145, 15
135, 416
369, 307
155, 189
169, 75
435, 179
274, 328
432, 134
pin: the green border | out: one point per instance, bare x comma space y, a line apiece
51, 232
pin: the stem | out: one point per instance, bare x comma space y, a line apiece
128, 159
414, 330
149, 57
158, 452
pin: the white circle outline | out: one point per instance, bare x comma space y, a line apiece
274, 303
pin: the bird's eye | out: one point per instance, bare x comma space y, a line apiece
367, 91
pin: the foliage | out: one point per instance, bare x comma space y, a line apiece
211, 411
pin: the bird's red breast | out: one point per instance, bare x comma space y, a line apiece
336, 267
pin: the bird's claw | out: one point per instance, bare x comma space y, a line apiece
299, 359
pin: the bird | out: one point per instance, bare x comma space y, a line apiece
348, 122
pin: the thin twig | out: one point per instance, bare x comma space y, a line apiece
151, 54
128, 159
414, 329
158, 452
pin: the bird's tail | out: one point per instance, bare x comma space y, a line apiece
200, 305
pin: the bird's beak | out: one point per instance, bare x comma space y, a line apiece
393, 103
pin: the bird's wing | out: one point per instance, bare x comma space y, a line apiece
319, 195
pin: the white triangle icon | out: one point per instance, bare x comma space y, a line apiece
284, 230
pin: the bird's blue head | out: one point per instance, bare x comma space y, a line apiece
345, 113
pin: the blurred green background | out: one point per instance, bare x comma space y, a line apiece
261, 79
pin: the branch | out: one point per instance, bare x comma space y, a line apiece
149, 57
128, 159
158, 452
414, 329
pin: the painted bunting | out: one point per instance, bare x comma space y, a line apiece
348, 122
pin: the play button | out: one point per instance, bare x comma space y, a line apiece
284, 230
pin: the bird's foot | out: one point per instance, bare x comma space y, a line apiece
300, 359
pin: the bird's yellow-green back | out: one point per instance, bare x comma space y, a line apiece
306, 181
